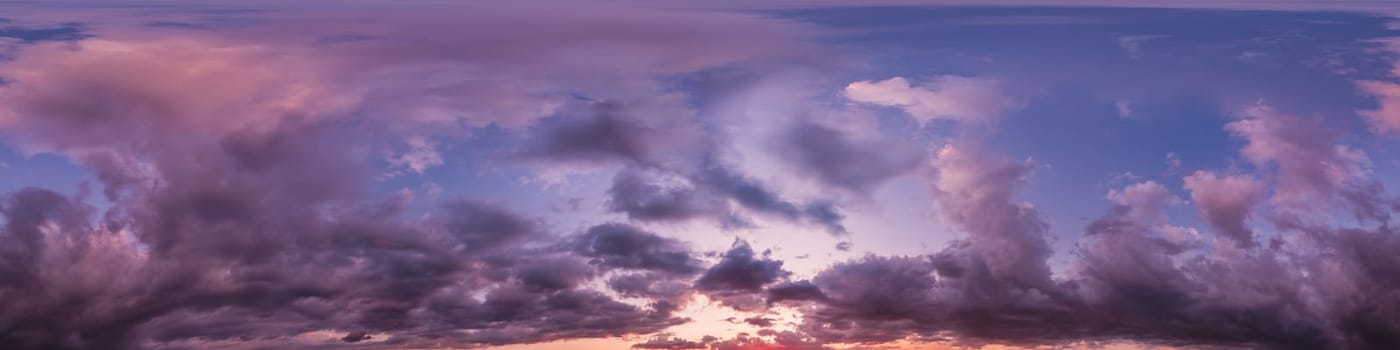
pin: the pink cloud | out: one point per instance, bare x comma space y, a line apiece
1226, 202
1314, 169
1385, 118
1147, 200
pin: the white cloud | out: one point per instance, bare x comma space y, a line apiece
943, 97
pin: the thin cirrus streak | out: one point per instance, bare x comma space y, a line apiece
825, 175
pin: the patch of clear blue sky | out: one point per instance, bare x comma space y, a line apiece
43, 170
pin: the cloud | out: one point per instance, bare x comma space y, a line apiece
973, 191
1317, 174
800, 290
752, 195
1127, 284
612, 134
739, 277
1385, 118
738, 270
156, 89
782, 340
622, 246
420, 156
949, 97
602, 136
634, 193
1147, 199
994, 283
836, 159
1132, 276
673, 343
657, 286
1226, 202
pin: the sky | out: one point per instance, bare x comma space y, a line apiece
720, 175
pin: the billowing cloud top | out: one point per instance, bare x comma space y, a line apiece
380, 175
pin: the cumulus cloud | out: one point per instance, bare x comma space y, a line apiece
1129, 283
973, 190
737, 280
1226, 202
1317, 174
1132, 277
225, 269
1147, 199
946, 97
